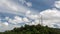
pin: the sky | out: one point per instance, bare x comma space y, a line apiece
17, 13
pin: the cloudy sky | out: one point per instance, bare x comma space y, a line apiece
16, 13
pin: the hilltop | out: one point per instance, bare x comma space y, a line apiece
33, 29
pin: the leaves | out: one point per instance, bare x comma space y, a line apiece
33, 29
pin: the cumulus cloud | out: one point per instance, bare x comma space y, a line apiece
2, 24
22, 1
50, 16
33, 16
29, 4
7, 6
51, 12
28, 12
25, 19
57, 4
6, 18
5, 24
16, 20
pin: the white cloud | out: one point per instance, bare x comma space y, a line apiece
5, 24
22, 1
32, 16
51, 13
6, 18
8, 6
29, 4
57, 4
37, 21
0, 23
16, 20
25, 19
28, 12
50, 16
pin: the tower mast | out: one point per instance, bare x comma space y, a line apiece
40, 20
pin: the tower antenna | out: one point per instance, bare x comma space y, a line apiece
40, 20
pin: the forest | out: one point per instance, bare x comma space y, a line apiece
33, 29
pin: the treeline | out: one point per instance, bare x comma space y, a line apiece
34, 29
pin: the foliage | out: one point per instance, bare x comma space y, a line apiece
33, 29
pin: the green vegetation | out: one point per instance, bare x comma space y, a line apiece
34, 29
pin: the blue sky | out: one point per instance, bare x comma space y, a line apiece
16, 13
